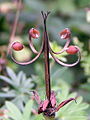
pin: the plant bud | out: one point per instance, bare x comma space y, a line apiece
66, 33
72, 50
34, 33
17, 46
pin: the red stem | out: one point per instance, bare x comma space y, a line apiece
14, 25
46, 58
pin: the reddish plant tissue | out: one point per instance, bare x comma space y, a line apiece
44, 105
53, 99
34, 33
72, 50
17, 46
49, 105
65, 34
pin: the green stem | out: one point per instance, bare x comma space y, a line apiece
49, 118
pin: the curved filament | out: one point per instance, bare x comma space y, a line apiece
65, 64
64, 49
31, 61
32, 46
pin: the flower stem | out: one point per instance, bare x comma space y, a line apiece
46, 58
19, 4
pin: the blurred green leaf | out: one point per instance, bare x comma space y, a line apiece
33, 5
19, 87
14, 112
27, 109
72, 110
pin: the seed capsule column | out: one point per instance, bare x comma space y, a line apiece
46, 57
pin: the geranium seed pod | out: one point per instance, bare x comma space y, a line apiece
72, 50
66, 33
34, 33
17, 46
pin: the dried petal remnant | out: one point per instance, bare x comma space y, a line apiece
17, 46
66, 33
34, 33
53, 99
72, 50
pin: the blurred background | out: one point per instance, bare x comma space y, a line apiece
73, 14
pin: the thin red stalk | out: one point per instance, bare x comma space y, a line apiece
15, 25
46, 57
